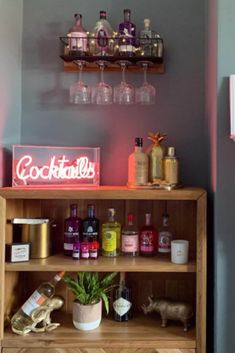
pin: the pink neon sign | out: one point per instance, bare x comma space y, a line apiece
50, 165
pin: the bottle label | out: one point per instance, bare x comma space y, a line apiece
121, 306
102, 39
34, 301
76, 254
78, 41
130, 243
109, 240
147, 242
68, 246
164, 243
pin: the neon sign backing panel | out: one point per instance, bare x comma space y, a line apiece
54, 165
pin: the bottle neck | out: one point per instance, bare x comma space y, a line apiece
73, 211
165, 221
127, 17
138, 148
111, 215
148, 219
130, 219
58, 277
91, 212
122, 279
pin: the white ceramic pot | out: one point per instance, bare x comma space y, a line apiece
87, 317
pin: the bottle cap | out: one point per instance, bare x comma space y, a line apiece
139, 141
103, 14
171, 151
127, 11
77, 16
130, 217
146, 22
111, 212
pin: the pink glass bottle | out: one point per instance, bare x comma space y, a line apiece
148, 238
72, 230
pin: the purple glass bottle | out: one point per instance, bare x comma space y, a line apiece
127, 35
72, 230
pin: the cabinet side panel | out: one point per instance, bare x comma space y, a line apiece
201, 274
2, 260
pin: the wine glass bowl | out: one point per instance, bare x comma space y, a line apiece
124, 93
102, 93
146, 93
79, 92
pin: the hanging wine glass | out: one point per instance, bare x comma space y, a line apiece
79, 92
146, 93
124, 93
102, 93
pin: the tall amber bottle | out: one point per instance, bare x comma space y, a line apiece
156, 153
171, 167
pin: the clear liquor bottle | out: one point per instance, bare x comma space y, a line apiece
130, 237
77, 37
72, 230
165, 235
147, 39
148, 238
101, 42
138, 165
90, 231
127, 32
111, 232
46, 290
122, 301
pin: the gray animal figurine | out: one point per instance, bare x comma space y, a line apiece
170, 310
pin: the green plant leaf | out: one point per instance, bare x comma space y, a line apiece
106, 301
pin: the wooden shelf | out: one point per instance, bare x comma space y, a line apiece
140, 332
158, 263
101, 192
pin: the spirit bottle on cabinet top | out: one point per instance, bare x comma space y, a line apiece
126, 33
90, 225
165, 235
22, 317
111, 232
122, 301
138, 165
148, 238
146, 38
72, 230
130, 237
101, 42
77, 37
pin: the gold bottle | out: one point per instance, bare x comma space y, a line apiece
171, 167
156, 153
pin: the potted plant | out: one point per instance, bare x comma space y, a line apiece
90, 290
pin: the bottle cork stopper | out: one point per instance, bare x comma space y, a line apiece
146, 22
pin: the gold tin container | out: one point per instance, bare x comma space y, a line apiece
37, 232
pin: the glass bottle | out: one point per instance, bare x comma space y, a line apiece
90, 225
46, 290
146, 38
156, 153
148, 238
122, 301
72, 230
158, 47
111, 231
130, 237
77, 37
138, 165
76, 249
126, 33
101, 41
165, 235
171, 167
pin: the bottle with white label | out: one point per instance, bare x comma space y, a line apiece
138, 165
130, 237
111, 233
165, 235
77, 37
122, 301
46, 290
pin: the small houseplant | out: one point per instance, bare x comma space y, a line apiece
90, 290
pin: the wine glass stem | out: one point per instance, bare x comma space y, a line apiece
101, 73
80, 73
145, 74
123, 73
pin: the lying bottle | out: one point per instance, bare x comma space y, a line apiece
22, 317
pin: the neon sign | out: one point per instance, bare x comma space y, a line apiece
50, 165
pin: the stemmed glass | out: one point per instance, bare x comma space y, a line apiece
124, 93
146, 93
102, 93
79, 92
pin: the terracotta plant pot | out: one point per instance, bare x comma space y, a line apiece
87, 317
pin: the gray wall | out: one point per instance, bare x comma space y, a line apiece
48, 118
10, 79
225, 187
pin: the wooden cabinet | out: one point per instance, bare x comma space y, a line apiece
156, 275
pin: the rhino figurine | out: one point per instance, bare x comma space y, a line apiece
170, 310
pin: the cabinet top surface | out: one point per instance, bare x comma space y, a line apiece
101, 192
